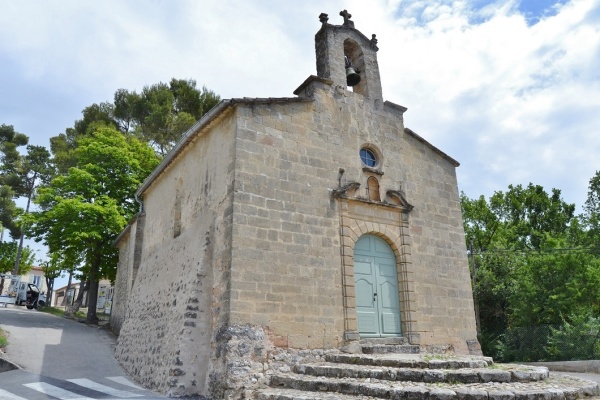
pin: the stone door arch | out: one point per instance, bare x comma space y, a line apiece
393, 230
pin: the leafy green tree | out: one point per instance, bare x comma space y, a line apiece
591, 213
575, 340
20, 173
28, 171
529, 214
52, 270
522, 274
8, 212
555, 284
84, 210
161, 113
158, 115
10, 141
8, 254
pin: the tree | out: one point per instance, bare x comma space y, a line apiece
520, 279
8, 212
158, 115
10, 141
52, 269
591, 213
537, 267
23, 178
528, 214
161, 113
555, 285
8, 254
84, 210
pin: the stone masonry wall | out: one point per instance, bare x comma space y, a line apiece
180, 289
118, 310
286, 269
442, 279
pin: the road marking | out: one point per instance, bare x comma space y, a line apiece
4, 395
57, 392
123, 381
102, 388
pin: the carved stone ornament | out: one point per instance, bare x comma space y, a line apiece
396, 197
347, 190
347, 17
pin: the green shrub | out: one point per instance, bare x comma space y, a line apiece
3, 339
575, 340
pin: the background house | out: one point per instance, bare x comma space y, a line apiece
35, 276
105, 292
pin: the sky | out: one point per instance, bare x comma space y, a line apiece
510, 89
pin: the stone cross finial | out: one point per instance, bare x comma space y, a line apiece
323, 18
347, 17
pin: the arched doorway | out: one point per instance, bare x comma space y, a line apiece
376, 286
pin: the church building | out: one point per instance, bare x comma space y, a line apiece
293, 224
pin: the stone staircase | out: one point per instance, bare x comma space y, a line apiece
395, 370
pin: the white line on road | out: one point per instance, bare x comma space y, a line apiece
55, 391
4, 395
102, 388
123, 381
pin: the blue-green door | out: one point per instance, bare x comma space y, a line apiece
376, 285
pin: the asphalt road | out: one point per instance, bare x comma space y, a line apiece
61, 358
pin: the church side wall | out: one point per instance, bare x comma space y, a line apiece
167, 340
122, 287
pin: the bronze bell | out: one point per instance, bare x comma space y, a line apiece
352, 78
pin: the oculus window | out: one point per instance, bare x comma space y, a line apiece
368, 157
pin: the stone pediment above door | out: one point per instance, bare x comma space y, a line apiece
393, 198
396, 197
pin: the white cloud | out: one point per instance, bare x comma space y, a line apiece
505, 98
513, 101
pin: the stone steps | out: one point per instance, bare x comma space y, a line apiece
302, 387
398, 345
427, 377
478, 375
408, 361
292, 394
384, 340
390, 348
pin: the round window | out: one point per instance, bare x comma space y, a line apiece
368, 157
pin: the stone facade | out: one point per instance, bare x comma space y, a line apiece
249, 226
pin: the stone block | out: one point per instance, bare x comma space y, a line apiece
441, 394
500, 395
409, 393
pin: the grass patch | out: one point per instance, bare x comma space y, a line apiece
52, 310
3, 339
78, 315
